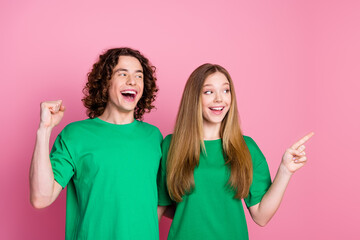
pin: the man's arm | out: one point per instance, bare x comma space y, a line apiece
43, 188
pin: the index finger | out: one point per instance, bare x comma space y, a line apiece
302, 140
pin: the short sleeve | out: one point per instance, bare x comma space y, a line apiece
261, 174
62, 161
163, 194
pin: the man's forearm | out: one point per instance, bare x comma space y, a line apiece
41, 174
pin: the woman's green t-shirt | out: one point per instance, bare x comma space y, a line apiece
210, 211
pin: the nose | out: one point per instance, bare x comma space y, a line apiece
218, 97
131, 80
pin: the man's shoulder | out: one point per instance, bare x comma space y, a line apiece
78, 124
149, 127
75, 128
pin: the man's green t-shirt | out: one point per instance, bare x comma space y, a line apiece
110, 172
210, 211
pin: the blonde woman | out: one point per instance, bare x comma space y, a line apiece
208, 166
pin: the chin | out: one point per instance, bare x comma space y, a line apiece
213, 121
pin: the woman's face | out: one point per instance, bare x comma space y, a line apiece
216, 98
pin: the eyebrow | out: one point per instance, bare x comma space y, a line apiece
209, 85
126, 70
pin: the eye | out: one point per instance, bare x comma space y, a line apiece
139, 76
122, 74
227, 91
208, 92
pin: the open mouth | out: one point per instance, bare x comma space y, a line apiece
129, 94
216, 110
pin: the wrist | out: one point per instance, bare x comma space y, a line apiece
44, 130
283, 170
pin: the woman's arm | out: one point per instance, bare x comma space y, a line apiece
293, 159
160, 211
167, 211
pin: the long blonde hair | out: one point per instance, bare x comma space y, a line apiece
187, 141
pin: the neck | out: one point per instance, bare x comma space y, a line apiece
211, 130
117, 117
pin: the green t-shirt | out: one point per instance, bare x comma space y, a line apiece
210, 211
110, 172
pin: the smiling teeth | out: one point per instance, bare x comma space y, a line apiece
217, 108
129, 92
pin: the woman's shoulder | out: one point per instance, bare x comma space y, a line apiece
249, 141
252, 145
255, 152
167, 140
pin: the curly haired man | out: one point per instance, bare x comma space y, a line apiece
108, 162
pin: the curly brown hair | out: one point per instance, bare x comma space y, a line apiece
96, 89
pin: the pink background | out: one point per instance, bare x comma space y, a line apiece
296, 69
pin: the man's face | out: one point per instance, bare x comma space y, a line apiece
126, 85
